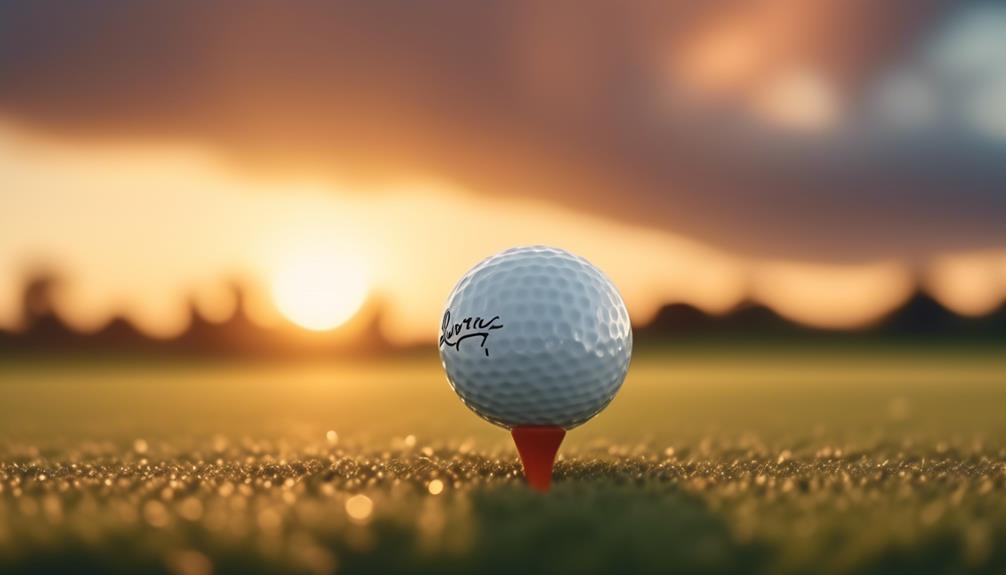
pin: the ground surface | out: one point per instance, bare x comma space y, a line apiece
715, 460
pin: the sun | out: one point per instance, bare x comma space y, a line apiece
319, 290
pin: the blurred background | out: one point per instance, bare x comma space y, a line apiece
186, 171
786, 193
783, 192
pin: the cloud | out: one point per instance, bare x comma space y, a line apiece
741, 125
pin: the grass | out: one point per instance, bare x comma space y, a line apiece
714, 460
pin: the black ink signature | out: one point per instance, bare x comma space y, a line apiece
454, 334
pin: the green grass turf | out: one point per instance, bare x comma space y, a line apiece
716, 459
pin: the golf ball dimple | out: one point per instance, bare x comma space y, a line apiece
535, 336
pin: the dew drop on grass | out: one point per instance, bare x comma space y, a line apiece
359, 507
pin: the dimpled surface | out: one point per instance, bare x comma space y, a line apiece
535, 336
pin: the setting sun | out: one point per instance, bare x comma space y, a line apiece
319, 291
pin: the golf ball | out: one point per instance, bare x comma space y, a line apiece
535, 336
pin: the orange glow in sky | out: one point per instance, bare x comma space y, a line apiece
832, 296
970, 284
144, 230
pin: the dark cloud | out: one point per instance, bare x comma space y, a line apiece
580, 103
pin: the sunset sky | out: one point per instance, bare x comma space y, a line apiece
820, 157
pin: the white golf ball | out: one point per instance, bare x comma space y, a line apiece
535, 336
